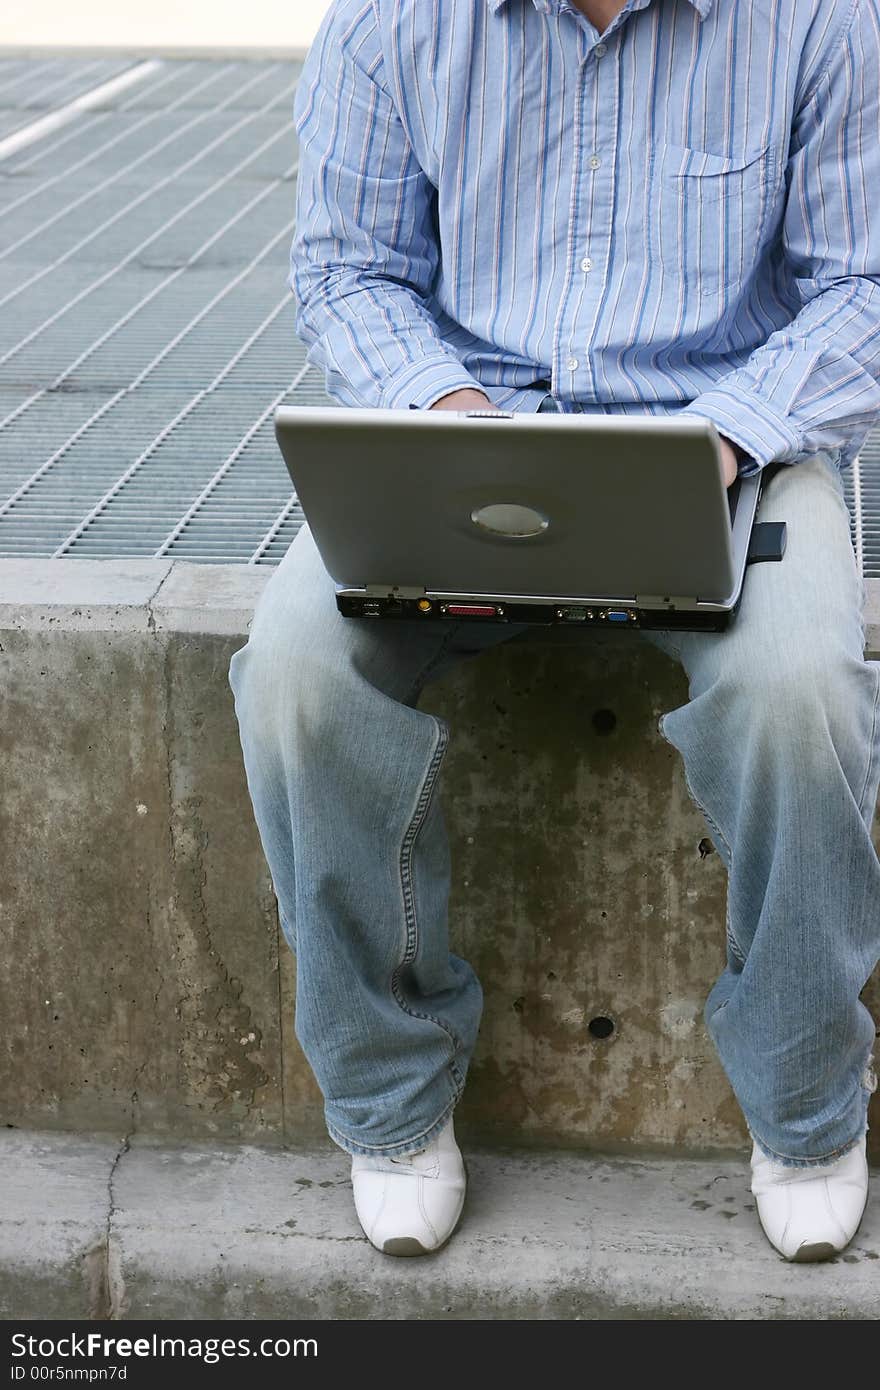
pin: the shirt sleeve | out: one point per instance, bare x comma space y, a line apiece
364, 254
815, 384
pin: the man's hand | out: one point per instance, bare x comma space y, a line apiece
465, 399
468, 399
729, 460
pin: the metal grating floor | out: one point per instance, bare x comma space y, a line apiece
29, 89
146, 332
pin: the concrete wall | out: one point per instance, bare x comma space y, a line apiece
144, 983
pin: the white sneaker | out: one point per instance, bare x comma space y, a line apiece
811, 1213
410, 1205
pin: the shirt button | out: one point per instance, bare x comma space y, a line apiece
571, 364
594, 161
600, 50
586, 263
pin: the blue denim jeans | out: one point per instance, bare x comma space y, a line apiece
780, 741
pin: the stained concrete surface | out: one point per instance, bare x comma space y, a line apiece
234, 1231
141, 968
150, 989
135, 993
54, 1214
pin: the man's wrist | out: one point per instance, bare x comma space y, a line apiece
731, 454
462, 399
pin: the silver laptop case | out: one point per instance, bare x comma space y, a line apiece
521, 517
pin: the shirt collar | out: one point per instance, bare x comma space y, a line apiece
545, 6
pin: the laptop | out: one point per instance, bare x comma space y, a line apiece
500, 516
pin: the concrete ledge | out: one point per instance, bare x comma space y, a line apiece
79, 595
193, 599
145, 970
53, 1225
240, 1232
182, 596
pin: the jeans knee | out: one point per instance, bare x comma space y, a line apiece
277, 682
818, 707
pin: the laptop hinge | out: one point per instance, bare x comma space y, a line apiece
666, 601
395, 590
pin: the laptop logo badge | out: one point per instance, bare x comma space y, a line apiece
510, 520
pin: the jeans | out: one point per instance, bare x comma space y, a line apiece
780, 741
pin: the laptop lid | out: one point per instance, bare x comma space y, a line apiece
494, 502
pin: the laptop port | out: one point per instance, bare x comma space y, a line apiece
617, 615
574, 615
372, 610
470, 610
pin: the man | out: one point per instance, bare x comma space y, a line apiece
653, 206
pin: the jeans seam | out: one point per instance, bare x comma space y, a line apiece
358, 1146
705, 814
732, 942
798, 1161
406, 883
872, 742
434, 660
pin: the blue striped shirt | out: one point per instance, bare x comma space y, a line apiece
679, 214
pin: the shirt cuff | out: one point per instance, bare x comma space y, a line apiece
419, 384
749, 421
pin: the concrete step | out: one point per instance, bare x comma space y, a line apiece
94, 1227
149, 982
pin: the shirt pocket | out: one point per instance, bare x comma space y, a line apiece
711, 212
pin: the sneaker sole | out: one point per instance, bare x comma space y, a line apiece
809, 1254
823, 1249
406, 1247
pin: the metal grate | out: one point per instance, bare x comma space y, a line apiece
863, 497
31, 89
146, 334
